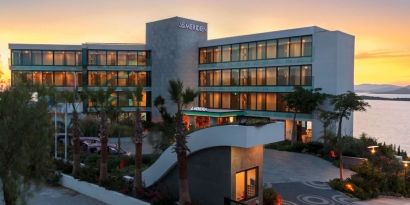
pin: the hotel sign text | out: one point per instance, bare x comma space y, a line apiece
191, 26
204, 109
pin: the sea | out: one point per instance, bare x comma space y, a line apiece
386, 120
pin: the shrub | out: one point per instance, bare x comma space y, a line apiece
271, 197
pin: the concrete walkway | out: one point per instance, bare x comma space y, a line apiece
281, 167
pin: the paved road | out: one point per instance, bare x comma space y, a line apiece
128, 146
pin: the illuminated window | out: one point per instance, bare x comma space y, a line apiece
283, 75
209, 55
217, 78
69, 58
112, 78
132, 57
307, 46
58, 58
246, 184
244, 77
142, 78
78, 58
226, 77
294, 75
202, 56
243, 101
59, 78
261, 101
271, 49
261, 80
217, 54
271, 101
261, 50
37, 79
270, 76
122, 78
252, 101
295, 47
47, 78
244, 52
97, 78
252, 51
111, 58
47, 57
143, 102
217, 100
306, 75
142, 58
226, 100
122, 58
252, 77
235, 52
226, 53
70, 79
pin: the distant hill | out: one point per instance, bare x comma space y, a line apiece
373, 88
401, 90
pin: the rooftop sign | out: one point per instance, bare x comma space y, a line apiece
192, 26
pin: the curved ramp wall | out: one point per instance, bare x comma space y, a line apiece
228, 135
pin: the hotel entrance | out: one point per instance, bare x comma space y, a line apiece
203, 117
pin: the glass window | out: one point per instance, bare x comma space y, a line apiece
283, 48
295, 47
26, 56
37, 78
142, 78
22, 77
143, 102
283, 76
202, 78
59, 78
217, 100
226, 100
261, 76
235, 101
209, 55
113, 99
271, 49
294, 76
122, 78
125, 99
79, 79
307, 46
235, 52
281, 103
226, 53
271, 101
240, 186
217, 54
271, 76
122, 58
111, 58
235, 77
37, 58
252, 101
217, 78
78, 58
92, 57
246, 184
69, 58
142, 58
58, 57
69, 78
252, 77
16, 56
48, 78
210, 99
97, 78
47, 57
261, 101
101, 58
243, 101
202, 100
244, 76
133, 78
226, 77
132, 57
251, 183
306, 75
202, 56
244, 52
111, 78
261, 50
252, 51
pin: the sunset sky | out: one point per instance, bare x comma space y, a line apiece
381, 27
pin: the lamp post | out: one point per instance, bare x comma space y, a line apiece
372, 150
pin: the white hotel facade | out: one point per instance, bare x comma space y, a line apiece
237, 77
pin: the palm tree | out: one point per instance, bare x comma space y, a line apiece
181, 97
344, 105
303, 100
138, 137
71, 97
103, 103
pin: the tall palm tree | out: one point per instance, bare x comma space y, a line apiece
181, 97
138, 137
103, 103
344, 105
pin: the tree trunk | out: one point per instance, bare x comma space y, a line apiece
138, 136
294, 134
339, 135
341, 165
76, 141
104, 149
184, 196
339, 130
9, 191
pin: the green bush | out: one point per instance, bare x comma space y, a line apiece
271, 197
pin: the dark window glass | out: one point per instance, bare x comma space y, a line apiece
294, 76
125, 99
306, 75
26, 56
243, 101
143, 78
244, 52
271, 76
16, 56
235, 101
307, 46
271, 49
252, 51
235, 52
209, 55
283, 48
235, 77
37, 58
283, 76
261, 51
295, 47
78, 58
281, 103
226, 53
133, 78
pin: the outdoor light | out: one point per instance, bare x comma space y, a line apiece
405, 164
373, 149
349, 187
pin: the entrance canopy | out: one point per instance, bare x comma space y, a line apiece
201, 111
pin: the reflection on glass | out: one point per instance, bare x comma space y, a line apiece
47, 57
58, 58
217, 54
294, 76
235, 52
226, 53
271, 49
252, 51
261, 76
306, 75
235, 77
26, 58
244, 52
261, 50
283, 75
295, 47
270, 76
283, 48
226, 77
244, 76
59, 78
16, 56
111, 58
271, 101
307, 46
37, 58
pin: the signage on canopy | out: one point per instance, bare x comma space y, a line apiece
203, 109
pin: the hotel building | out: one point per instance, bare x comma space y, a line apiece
237, 77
